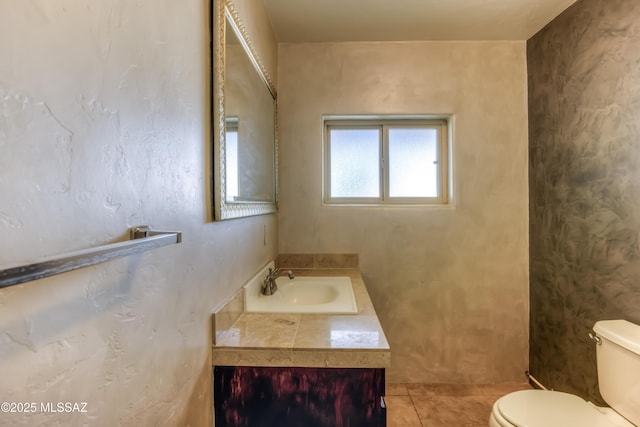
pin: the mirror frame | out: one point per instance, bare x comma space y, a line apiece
223, 11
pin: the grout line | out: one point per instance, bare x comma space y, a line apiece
413, 404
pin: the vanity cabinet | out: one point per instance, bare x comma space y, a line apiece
300, 370
248, 396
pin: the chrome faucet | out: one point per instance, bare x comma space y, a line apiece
269, 286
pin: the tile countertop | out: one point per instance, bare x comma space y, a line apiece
309, 340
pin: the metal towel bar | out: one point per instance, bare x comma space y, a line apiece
143, 238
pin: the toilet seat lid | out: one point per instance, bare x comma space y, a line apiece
533, 408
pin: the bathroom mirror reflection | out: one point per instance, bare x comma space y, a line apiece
244, 145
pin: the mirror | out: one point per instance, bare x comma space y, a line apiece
244, 113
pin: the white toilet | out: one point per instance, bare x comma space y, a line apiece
618, 355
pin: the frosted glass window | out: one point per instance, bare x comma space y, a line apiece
386, 160
231, 149
413, 162
355, 163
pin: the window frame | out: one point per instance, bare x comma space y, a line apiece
384, 124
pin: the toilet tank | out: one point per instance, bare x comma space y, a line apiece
618, 357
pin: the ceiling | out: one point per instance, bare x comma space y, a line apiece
301, 21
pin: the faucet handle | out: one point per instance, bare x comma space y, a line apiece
273, 271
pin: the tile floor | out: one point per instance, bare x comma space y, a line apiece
440, 405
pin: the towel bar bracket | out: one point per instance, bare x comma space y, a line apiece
144, 231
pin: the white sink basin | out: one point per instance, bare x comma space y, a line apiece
304, 294
313, 290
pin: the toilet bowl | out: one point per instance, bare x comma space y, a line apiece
618, 362
543, 408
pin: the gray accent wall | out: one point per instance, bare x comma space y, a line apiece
584, 179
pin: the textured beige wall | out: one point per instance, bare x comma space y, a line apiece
450, 284
104, 124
